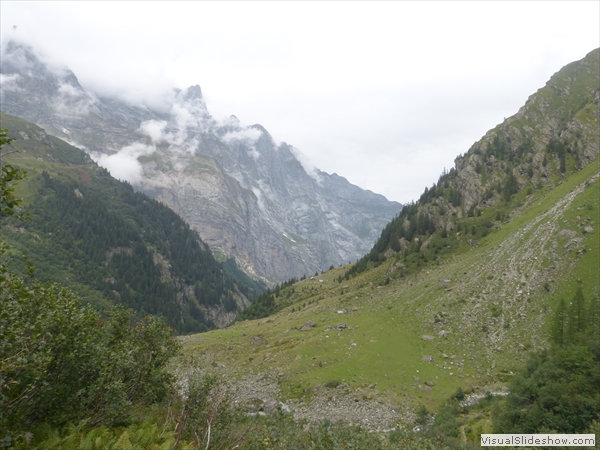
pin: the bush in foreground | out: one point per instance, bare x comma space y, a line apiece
62, 361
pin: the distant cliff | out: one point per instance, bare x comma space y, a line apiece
247, 196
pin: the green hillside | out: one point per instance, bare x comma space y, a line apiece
458, 292
113, 244
484, 307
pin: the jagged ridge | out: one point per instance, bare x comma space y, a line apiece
246, 195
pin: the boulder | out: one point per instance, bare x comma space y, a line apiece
257, 340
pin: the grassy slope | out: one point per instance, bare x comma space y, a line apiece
494, 310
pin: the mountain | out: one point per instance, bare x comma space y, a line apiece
554, 133
247, 196
112, 244
456, 293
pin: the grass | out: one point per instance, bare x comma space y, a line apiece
379, 354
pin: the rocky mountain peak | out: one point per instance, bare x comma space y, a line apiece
24, 60
193, 93
248, 197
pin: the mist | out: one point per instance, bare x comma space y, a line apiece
385, 94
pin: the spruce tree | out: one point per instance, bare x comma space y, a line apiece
559, 324
577, 317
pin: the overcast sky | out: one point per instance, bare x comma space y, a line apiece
386, 94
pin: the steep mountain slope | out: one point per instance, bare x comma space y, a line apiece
113, 244
457, 292
553, 134
246, 195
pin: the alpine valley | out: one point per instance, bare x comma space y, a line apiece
475, 309
115, 246
457, 292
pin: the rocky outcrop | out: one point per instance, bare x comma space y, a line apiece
554, 133
566, 111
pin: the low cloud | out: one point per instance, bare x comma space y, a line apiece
16, 55
310, 169
10, 82
259, 198
265, 188
247, 136
124, 165
71, 101
188, 118
22, 56
155, 129
254, 154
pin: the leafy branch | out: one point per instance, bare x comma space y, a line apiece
9, 204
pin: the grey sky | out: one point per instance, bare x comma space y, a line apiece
386, 94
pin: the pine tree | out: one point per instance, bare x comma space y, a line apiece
593, 317
559, 324
577, 317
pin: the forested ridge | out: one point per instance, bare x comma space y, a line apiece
114, 245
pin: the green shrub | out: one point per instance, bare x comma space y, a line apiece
332, 384
63, 361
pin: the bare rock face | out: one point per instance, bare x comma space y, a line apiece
248, 197
252, 199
